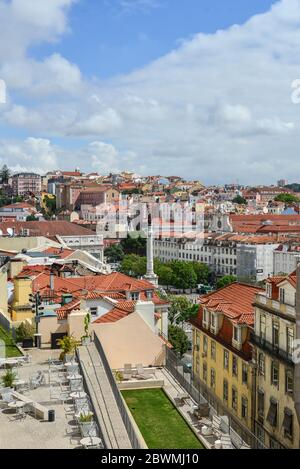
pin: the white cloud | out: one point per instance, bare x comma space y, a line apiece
218, 107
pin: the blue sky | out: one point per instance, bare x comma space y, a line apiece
107, 40
201, 88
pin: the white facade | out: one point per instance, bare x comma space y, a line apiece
285, 260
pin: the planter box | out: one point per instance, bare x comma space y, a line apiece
86, 340
86, 428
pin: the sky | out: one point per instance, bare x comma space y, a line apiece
203, 89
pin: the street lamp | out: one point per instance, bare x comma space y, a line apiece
36, 302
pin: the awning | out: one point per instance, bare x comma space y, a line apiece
272, 414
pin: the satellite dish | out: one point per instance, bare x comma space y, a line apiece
1, 233
10, 231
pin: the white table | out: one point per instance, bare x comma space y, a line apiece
91, 441
16, 405
78, 394
12, 363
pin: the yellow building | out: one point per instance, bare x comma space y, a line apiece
276, 421
222, 353
21, 308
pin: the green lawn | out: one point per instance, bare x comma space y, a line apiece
159, 421
10, 348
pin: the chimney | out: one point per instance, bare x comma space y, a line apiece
297, 355
52, 281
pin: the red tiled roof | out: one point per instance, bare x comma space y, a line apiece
47, 228
234, 301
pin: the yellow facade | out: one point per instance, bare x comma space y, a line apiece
21, 307
215, 364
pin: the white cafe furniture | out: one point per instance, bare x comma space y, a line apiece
16, 404
91, 441
206, 431
74, 377
78, 395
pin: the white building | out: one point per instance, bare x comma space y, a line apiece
285, 258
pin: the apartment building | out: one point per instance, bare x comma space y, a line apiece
24, 183
247, 257
222, 356
285, 257
276, 422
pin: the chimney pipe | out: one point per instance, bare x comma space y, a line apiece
52, 281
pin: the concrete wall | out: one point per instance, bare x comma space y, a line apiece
50, 325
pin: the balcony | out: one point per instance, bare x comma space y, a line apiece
273, 350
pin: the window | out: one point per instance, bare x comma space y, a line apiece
275, 334
261, 403
212, 378
289, 382
262, 326
225, 390
288, 423
135, 296
205, 318
237, 334
261, 364
94, 311
244, 409
205, 344
272, 413
282, 295
226, 360
245, 373
269, 290
275, 373
205, 372
234, 400
213, 350
149, 294
289, 340
234, 365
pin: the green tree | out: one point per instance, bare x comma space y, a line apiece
31, 218
240, 200
114, 253
184, 275
5, 174
181, 309
225, 281
178, 339
134, 265
202, 272
165, 275
132, 245
50, 203
287, 198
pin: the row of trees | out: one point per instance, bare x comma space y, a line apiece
127, 246
179, 274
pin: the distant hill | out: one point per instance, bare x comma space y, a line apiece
293, 187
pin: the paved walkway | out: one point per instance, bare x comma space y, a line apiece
106, 408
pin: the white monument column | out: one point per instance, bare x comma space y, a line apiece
150, 275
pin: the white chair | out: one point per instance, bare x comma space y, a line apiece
226, 442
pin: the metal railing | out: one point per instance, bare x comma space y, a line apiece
202, 394
134, 440
83, 373
272, 349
